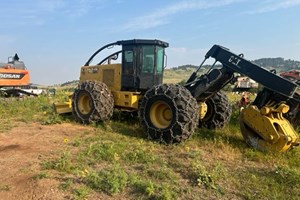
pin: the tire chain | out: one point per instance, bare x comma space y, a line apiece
102, 100
222, 112
186, 113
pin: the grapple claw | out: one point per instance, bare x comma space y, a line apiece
268, 131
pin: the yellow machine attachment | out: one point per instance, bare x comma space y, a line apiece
266, 129
63, 107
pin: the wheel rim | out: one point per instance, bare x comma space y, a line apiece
160, 115
209, 111
84, 103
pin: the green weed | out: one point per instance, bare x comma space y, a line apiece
4, 188
41, 175
66, 184
53, 119
101, 151
111, 181
154, 190
138, 155
202, 176
63, 163
81, 192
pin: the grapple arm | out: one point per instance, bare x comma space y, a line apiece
262, 124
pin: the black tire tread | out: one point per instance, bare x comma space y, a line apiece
103, 102
186, 114
222, 111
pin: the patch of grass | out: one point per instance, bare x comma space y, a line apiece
81, 192
63, 163
101, 151
111, 181
66, 184
254, 155
4, 188
202, 176
41, 175
115, 157
286, 175
154, 190
274, 183
53, 118
139, 155
6, 125
29, 109
76, 142
161, 173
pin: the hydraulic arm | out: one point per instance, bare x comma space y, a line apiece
262, 124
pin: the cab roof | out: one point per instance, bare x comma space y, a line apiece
143, 41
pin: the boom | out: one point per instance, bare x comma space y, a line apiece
262, 124
236, 63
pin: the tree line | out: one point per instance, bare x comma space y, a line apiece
280, 64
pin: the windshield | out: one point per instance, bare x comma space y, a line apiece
149, 59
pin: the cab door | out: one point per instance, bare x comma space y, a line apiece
151, 66
129, 62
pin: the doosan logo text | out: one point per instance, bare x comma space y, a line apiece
10, 76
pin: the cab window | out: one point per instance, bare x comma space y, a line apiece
128, 64
148, 59
159, 60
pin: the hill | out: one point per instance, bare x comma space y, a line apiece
278, 63
270, 63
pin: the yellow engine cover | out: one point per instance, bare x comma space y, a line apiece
266, 129
109, 74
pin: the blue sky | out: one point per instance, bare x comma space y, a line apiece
55, 37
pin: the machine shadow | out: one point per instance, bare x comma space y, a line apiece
127, 123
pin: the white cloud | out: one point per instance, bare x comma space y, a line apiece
273, 5
161, 16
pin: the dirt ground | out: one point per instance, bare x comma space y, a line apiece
22, 149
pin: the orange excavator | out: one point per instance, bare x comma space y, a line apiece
14, 77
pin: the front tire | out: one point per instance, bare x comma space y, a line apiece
92, 101
168, 113
218, 112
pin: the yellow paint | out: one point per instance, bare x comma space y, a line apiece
109, 74
126, 99
61, 108
275, 132
84, 103
202, 109
160, 114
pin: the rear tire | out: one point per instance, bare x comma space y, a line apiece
168, 113
92, 101
218, 112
